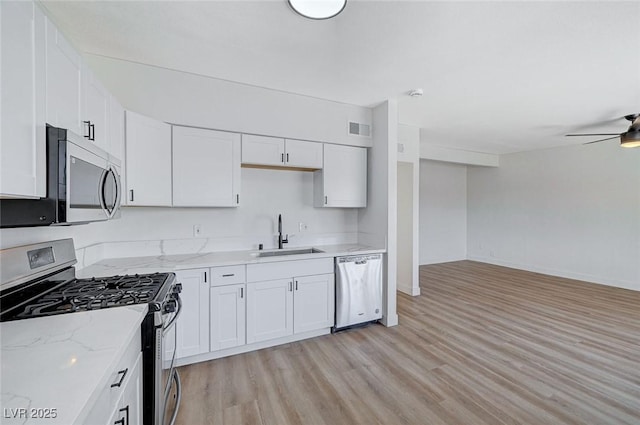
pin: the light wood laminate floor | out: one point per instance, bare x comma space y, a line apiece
482, 344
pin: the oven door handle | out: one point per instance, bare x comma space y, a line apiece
175, 316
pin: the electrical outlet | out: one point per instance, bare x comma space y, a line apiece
303, 227
197, 231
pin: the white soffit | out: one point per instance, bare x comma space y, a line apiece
498, 77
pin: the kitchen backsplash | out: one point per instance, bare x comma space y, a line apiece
156, 231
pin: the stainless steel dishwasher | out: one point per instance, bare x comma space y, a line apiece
358, 290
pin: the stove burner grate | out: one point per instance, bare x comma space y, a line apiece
96, 293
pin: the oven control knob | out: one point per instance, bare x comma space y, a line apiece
170, 306
177, 288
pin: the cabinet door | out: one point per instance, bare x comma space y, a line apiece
313, 302
262, 150
343, 177
130, 405
116, 129
148, 161
303, 154
269, 310
206, 168
227, 313
63, 83
193, 323
22, 104
95, 109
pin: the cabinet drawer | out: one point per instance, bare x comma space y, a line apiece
110, 396
120, 375
228, 275
288, 269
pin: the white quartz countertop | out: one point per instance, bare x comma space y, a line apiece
172, 263
62, 362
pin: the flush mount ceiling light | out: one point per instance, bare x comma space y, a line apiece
318, 9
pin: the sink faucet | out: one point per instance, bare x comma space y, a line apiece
280, 239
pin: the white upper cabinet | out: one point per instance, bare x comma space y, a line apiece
262, 150
116, 129
22, 104
147, 161
277, 152
64, 70
206, 168
95, 109
303, 154
343, 180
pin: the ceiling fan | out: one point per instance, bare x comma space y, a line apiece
628, 139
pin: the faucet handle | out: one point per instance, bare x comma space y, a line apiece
286, 238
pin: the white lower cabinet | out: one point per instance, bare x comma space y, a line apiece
226, 309
128, 409
287, 306
193, 323
313, 302
120, 401
269, 310
227, 316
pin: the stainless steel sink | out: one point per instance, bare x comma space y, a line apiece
289, 252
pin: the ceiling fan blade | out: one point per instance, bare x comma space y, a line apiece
592, 134
597, 124
601, 140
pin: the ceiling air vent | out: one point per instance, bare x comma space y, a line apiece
359, 129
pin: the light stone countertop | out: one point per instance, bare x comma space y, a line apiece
172, 263
62, 362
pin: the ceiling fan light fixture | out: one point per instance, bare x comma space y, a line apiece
630, 139
317, 9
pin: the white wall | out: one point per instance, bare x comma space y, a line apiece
378, 222
443, 212
408, 209
265, 194
189, 99
572, 212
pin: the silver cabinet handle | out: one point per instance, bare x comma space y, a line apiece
237, 198
287, 157
131, 195
290, 286
325, 199
296, 285
241, 292
282, 158
228, 275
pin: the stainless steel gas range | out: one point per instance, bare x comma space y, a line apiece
39, 280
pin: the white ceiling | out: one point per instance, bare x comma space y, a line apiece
498, 77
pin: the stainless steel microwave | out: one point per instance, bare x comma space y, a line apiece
83, 185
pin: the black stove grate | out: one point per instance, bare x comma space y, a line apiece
95, 293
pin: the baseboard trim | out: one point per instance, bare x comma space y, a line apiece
414, 292
618, 283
